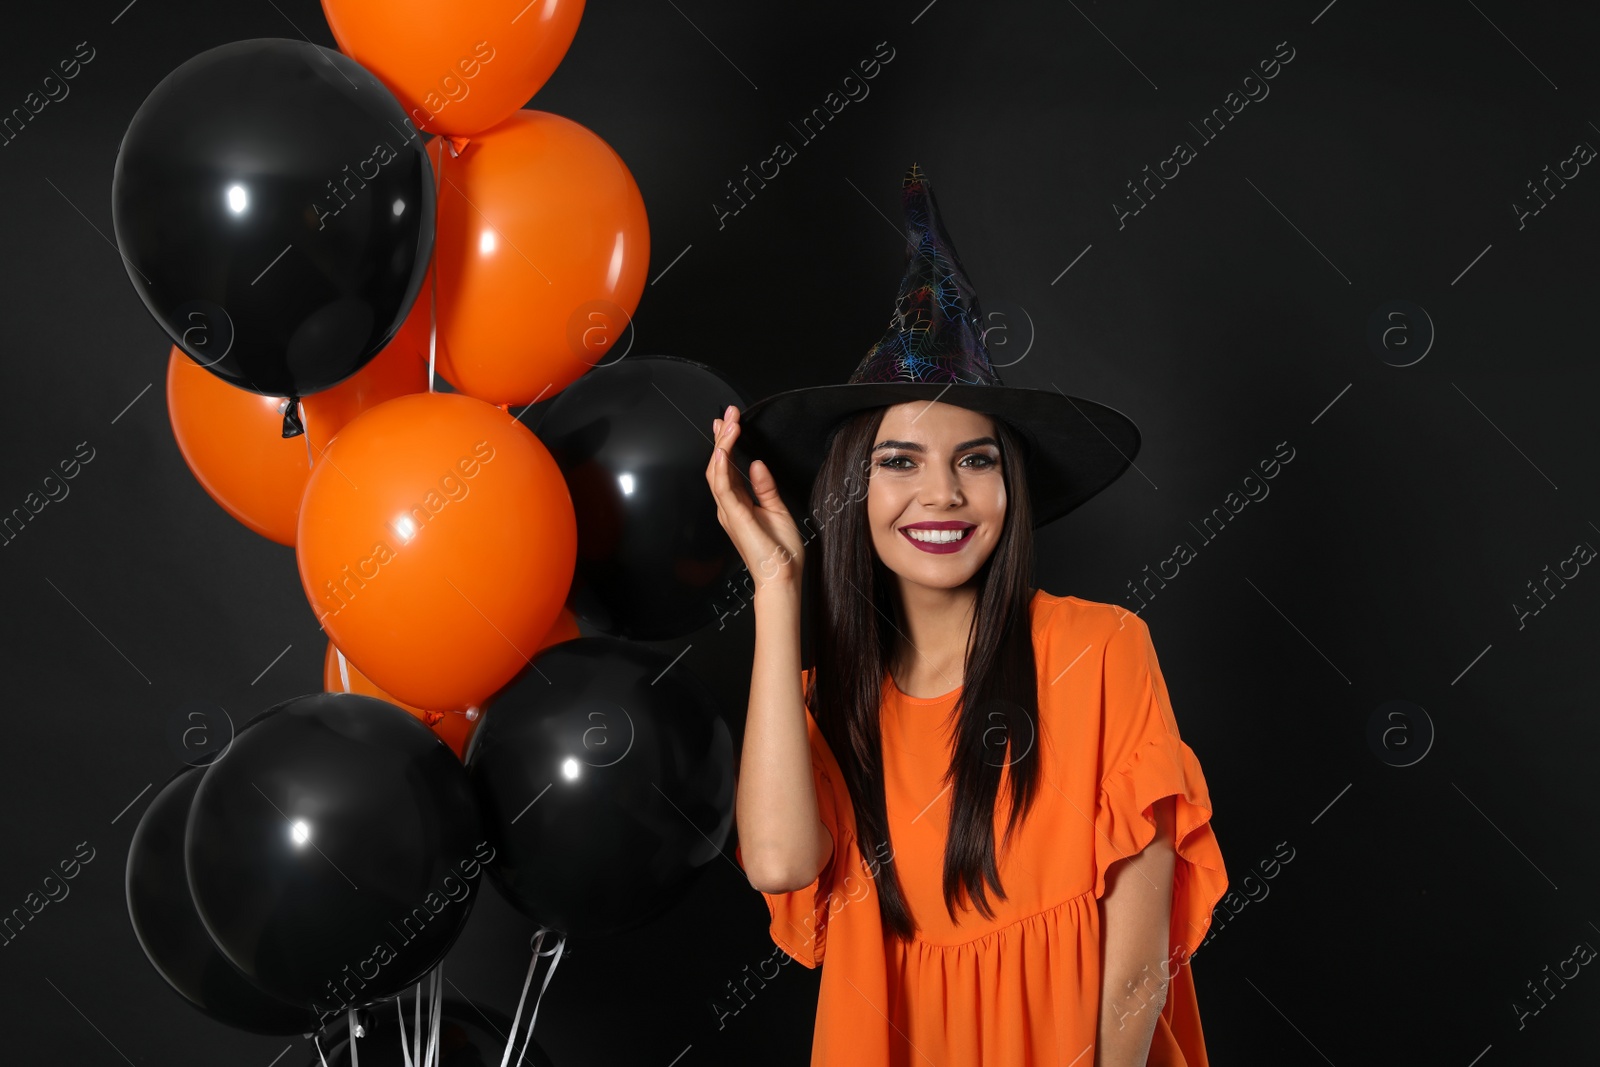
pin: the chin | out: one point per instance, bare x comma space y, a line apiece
936, 573
910, 564
947, 582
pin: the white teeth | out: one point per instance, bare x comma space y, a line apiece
938, 536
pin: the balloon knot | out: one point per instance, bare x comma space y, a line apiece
457, 145
292, 426
433, 717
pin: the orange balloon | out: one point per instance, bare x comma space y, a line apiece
436, 546
460, 66
540, 256
232, 439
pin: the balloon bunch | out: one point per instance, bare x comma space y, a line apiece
536, 213
321, 235
326, 860
278, 209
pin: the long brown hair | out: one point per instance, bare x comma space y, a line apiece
856, 628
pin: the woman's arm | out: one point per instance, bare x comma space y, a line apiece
783, 844
782, 840
1135, 920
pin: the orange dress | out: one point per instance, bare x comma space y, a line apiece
1022, 988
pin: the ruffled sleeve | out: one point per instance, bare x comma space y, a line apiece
1143, 760
800, 918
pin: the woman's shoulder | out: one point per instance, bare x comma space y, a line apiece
1054, 616
1099, 640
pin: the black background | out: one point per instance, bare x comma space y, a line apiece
1230, 314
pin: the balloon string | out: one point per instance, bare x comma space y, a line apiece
516, 1021
405, 1046
355, 1053
316, 1039
344, 680
433, 322
424, 1033
549, 974
438, 1021
427, 1048
433, 269
416, 1022
301, 404
538, 943
436, 983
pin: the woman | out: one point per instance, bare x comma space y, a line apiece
976, 806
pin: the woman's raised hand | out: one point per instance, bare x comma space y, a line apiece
766, 537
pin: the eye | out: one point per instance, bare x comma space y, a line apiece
983, 460
889, 461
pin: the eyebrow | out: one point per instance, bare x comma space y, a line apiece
912, 446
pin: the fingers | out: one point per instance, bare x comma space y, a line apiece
725, 432
728, 427
766, 488
730, 497
751, 530
762, 483
718, 426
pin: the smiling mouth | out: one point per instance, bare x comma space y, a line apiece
937, 541
936, 537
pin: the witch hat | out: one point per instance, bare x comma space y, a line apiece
934, 350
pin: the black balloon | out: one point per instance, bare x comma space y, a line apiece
169, 929
633, 439
275, 211
333, 853
606, 780
470, 1035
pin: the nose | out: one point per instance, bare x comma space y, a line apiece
941, 487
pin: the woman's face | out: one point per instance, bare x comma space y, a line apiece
935, 465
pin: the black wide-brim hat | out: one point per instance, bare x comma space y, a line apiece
934, 350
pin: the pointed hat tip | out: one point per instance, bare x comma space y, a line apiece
916, 198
